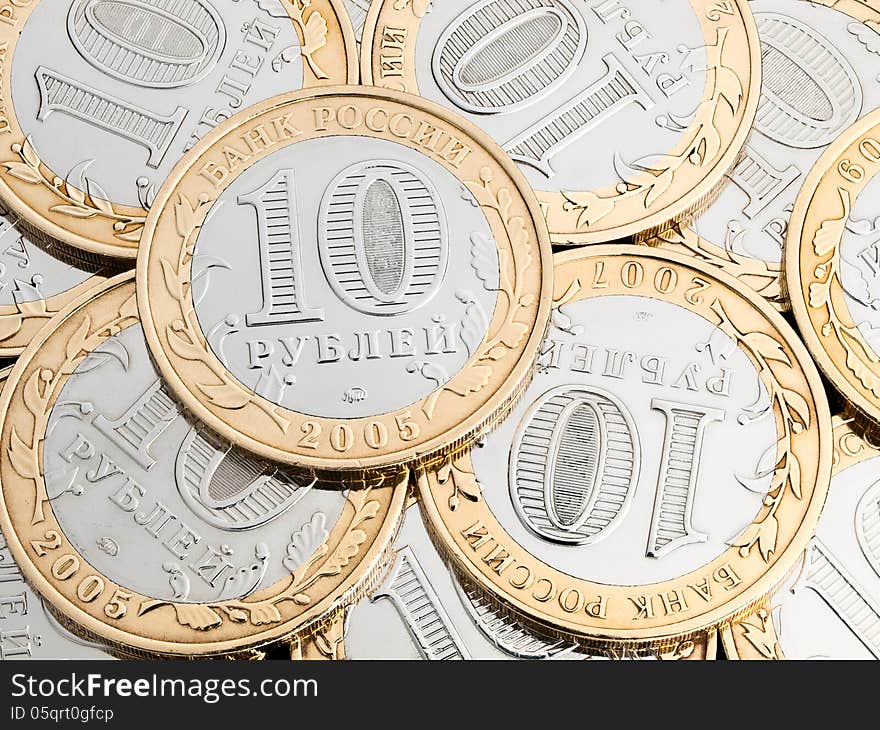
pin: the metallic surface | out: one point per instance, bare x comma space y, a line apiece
423, 610
147, 531
29, 629
103, 97
689, 492
369, 292
38, 277
620, 124
819, 75
831, 264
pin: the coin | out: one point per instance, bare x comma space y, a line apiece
382, 287
831, 264
101, 98
30, 629
357, 14
831, 610
819, 76
38, 277
661, 473
423, 610
624, 116
147, 530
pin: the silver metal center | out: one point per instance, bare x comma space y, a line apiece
640, 450
832, 609
819, 76
32, 268
421, 611
345, 277
578, 92
161, 505
113, 92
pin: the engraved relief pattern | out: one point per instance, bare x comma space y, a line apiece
156, 43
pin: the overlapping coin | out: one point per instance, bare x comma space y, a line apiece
832, 268
146, 530
663, 471
31, 630
38, 277
831, 608
102, 97
424, 610
819, 76
379, 286
623, 116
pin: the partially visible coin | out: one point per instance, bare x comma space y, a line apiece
819, 75
832, 264
38, 277
624, 116
144, 528
366, 290
663, 471
29, 629
831, 610
357, 13
102, 97
423, 610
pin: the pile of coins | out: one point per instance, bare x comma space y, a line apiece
440, 329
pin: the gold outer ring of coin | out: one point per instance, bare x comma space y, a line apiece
446, 421
121, 617
646, 205
754, 637
812, 264
762, 276
758, 560
32, 190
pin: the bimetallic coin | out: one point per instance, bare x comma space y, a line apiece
379, 281
832, 608
662, 472
102, 97
819, 76
357, 14
624, 115
147, 530
423, 610
832, 260
28, 627
38, 277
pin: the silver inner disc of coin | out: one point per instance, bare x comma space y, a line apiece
819, 76
28, 269
357, 13
579, 93
860, 264
113, 92
832, 611
640, 451
421, 611
345, 277
163, 506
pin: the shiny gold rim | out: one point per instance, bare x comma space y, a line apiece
760, 557
646, 204
340, 571
447, 420
41, 197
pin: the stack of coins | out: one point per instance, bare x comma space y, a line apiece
440, 330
